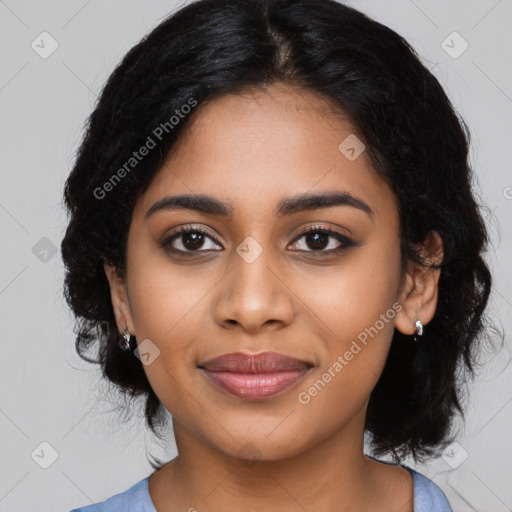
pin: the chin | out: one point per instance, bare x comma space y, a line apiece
260, 446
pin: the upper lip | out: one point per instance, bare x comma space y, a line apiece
264, 362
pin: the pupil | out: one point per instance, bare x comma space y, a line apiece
315, 241
319, 240
197, 240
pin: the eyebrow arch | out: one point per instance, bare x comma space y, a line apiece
310, 201
288, 206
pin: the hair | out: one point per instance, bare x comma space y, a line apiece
416, 142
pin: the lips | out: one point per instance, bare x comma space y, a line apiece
254, 376
265, 362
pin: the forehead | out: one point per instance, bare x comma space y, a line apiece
254, 149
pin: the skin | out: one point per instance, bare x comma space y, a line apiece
253, 150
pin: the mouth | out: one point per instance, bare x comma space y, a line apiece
254, 376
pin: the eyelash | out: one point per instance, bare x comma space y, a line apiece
345, 242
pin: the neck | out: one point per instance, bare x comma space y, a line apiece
331, 475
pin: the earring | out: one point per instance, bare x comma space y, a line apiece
124, 341
419, 329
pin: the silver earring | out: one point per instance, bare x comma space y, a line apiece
124, 341
419, 329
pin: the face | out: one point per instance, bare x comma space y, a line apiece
251, 280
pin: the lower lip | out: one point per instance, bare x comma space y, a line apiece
255, 386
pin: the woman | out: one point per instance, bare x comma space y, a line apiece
273, 238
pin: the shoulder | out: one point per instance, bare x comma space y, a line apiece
428, 497
134, 499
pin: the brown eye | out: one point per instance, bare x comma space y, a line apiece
322, 240
317, 241
189, 239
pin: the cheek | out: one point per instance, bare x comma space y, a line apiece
167, 309
348, 297
168, 306
164, 297
354, 306
358, 316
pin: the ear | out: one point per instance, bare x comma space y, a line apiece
419, 293
119, 298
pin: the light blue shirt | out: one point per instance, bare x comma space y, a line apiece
428, 497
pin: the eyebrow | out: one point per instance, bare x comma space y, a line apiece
288, 206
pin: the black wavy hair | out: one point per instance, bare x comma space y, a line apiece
414, 137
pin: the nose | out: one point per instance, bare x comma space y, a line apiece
254, 296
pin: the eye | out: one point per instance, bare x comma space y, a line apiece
320, 238
189, 239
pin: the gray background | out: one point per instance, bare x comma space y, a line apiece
48, 394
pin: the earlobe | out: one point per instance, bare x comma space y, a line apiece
119, 298
407, 316
419, 293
